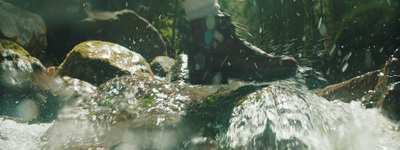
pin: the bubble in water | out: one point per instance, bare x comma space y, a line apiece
27, 109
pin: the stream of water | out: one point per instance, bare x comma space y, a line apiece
279, 118
275, 117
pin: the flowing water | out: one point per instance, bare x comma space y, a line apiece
279, 116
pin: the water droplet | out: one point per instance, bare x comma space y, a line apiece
345, 67
27, 109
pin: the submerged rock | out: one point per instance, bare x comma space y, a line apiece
128, 111
25, 28
283, 117
97, 61
126, 28
144, 113
161, 65
133, 112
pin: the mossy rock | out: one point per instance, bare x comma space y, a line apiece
98, 61
19, 84
13, 52
5, 44
126, 28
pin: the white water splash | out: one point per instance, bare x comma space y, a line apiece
21, 136
279, 118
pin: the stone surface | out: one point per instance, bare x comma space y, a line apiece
375, 89
387, 92
126, 28
25, 28
161, 65
353, 89
22, 96
128, 111
140, 112
97, 61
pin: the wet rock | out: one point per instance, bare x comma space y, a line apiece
386, 94
22, 95
139, 112
97, 61
128, 111
65, 28
353, 89
22, 27
161, 65
179, 71
126, 28
267, 119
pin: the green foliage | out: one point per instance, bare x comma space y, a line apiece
168, 16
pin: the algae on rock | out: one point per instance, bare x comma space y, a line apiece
98, 61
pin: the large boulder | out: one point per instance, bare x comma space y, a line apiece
70, 22
128, 111
22, 96
25, 28
97, 61
137, 112
126, 28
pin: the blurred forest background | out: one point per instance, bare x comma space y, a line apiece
339, 38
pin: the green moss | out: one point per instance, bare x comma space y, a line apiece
258, 97
239, 103
212, 101
107, 101
14, 46
147, 101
